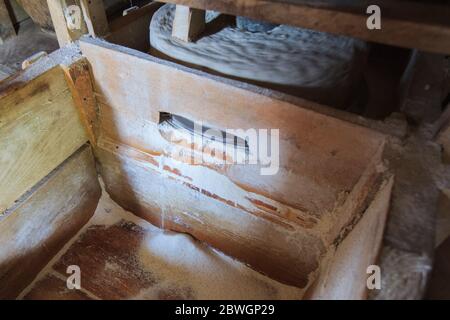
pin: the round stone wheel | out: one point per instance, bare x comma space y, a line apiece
314, 65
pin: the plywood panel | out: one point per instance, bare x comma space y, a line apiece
44, 220
39, 129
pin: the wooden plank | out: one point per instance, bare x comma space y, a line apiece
53, 287
39, 129
188, 23
80, 82
122, 257
95, 17
59, 11
132, 30
204, 99
397, 29
329, 169
38, 11
344, 276
59, 22
6, 26
285, 255
45, 219
117, 245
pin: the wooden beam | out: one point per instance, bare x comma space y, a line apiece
188, 23
420, 25
95, 17
132, 30
45, 219
39, 129
63, 34
6, 26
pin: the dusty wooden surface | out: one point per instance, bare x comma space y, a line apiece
327, 174
39, 129
428, 30
131, 30
344, 276
188, 23
42, 222
124, 257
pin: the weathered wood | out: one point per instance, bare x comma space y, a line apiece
80, 82
188, 23
285, 255
131, 31
45, 219
344, 149
38, 11
39, 129
59, 11
6, 26
413, 25
52, 288
344, 276
328, 171
95, 17
59, 22
122, 257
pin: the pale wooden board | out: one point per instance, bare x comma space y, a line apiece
399, 30
131, 30
45, 220
327, 175
80, 83
39, 129
284, 255
59, 22
345, 276
64, 34
95, 17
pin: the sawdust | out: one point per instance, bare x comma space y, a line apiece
184, 268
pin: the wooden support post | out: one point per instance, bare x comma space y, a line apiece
58, 12
6, 26
74, 18
95, 17
188, 23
